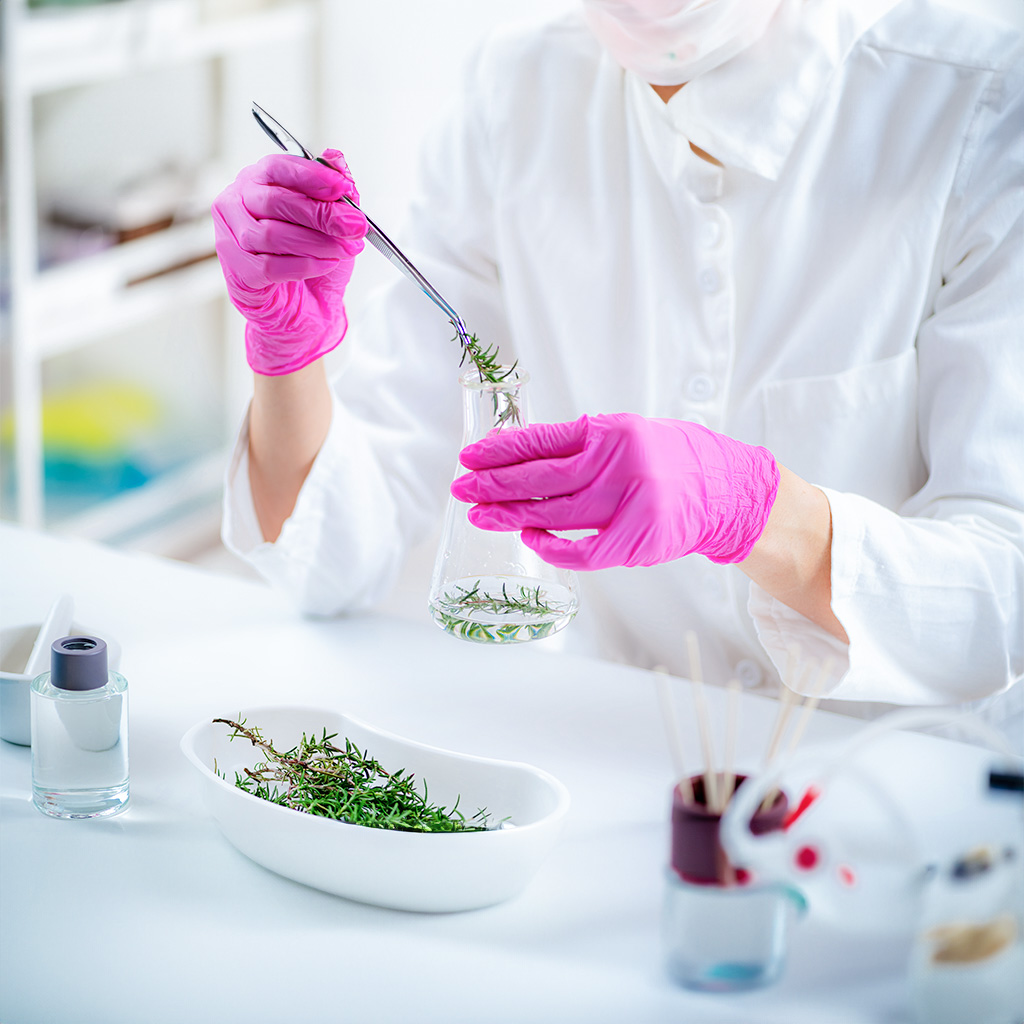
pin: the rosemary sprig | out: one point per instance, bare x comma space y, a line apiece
462, 602
491, 633
490, 370
319, 777
528, 601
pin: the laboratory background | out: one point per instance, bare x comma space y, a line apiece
123, 378
123, 382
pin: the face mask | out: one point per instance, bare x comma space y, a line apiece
669, 42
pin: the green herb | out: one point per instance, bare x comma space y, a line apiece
318, 777
491, 371
462, 602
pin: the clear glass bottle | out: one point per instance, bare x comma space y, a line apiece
79, 732
488, 586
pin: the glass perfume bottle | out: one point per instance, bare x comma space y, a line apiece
79, 732
488, 587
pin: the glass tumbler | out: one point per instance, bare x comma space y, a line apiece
722, 931
488, 587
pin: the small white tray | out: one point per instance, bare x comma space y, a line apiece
401, 870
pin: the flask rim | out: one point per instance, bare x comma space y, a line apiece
516, 379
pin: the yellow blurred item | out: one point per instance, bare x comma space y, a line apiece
98, 420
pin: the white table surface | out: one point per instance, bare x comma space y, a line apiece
152, 917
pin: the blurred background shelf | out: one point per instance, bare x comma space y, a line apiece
122, 368
167, 515
63, 46
78, 301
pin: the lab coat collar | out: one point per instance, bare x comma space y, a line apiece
748, 112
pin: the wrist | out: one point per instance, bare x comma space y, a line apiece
289, 419
747, 479
290, 414
792, 559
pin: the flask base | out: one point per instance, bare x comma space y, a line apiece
81, 803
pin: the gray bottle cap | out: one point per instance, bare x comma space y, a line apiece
78, 663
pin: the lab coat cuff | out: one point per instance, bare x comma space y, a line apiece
792, 641
856, 671
840, 671
872, 673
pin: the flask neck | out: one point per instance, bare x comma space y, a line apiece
488, 406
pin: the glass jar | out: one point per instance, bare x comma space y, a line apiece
488, 587
722, 929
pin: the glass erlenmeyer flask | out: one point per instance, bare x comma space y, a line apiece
488, 586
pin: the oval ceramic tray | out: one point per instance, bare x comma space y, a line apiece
401, 870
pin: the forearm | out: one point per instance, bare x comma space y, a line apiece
288, 421
792, 558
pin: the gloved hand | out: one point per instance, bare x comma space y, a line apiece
654, 490
287, 250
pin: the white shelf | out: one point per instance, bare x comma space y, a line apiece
157, 298
82, 300
136, 293
76, 46
151, 506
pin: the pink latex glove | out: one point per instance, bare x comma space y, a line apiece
654, 490
287, 249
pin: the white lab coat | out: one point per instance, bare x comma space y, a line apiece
846, 290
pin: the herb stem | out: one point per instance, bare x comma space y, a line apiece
491, 371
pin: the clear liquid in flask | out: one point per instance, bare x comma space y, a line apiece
503, 609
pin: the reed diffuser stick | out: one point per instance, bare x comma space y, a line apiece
787, 698
666, 700
810, 704
729, 756
703, 722
806, 708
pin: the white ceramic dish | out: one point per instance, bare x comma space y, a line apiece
15, 685
401, 870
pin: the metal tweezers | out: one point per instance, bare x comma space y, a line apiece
380, 241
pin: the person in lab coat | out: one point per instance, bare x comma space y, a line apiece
763, 262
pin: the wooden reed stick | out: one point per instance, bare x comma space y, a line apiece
703, 722
786, 700
810, 704
789, 701
729, 756
666, 700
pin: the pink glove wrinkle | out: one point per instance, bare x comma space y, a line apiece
287, 249
653, 490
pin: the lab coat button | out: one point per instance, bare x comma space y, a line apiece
710, 233
700, 387
748, 673
710, 282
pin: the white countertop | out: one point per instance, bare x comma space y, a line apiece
153, 917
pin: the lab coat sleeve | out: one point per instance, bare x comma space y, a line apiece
310, 555
380, 480
931, 594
